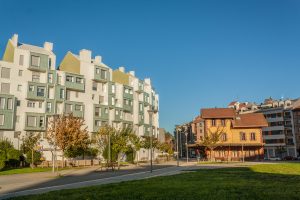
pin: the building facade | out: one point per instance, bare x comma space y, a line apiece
240, 135
33, 90
280, 137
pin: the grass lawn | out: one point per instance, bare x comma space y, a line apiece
23, 170
273, 181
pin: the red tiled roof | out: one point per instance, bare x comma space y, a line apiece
217, 113
250, 120
232, 103
197, 119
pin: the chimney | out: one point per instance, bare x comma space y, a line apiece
85, 55
132, 73
122, 69
148, 81
98, 59
14, 39
48, 46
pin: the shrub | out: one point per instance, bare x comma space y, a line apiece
36, 157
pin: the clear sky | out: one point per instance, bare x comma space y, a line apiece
197, 53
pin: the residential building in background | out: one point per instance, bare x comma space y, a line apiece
281, 137
33, 90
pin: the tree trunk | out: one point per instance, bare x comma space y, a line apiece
32, 159
119, 160
63, 159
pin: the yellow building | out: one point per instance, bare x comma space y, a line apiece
240, 135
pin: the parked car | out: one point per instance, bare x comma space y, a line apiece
274, 158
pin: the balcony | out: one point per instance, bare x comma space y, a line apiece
74, 82
101, 74
273, 128
36, 91
76, 108
140, 87
38, 62
128, 92
35, 122
101, 112
8, 111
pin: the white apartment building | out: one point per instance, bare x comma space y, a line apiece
280, 135
32, 90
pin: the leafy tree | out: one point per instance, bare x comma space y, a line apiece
68, 132
36, 157
30, 143
9, 156
121, 141
212, 139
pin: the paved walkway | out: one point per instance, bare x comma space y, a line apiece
35, 183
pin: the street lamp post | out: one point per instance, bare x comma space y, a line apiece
186, 145
151, 112
177, 141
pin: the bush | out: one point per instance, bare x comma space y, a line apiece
114, 155
36, 157
130, 156
13, 158
2, 164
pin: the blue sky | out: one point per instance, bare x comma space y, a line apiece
197, 53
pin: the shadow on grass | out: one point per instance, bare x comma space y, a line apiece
255, 182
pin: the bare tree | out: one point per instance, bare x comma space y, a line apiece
66, 132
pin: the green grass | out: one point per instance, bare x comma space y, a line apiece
273, 181
23, 170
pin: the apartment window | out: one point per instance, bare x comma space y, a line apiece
62, 93
223, 122
141, 107
79, 80
40, 104
9, 104
242, 136
252, 136
35, 61
49, 63
94, 87
113, 101
1, 120
18, 103
93, 96
31, 121
48, 108
113, 89
68, 108
223, 137
78, 107
69, 78
5, 72
19, 88
130, 92
97, 111
126, 91
35, 77
21, 60
117, 112
101, 99
20, 72
106, 111
103, 74
30, 104
42, 120
76, 94
5, 88
97, 123
97, 71
213, 122
50, 78
2, 103
40, 91
68, 94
